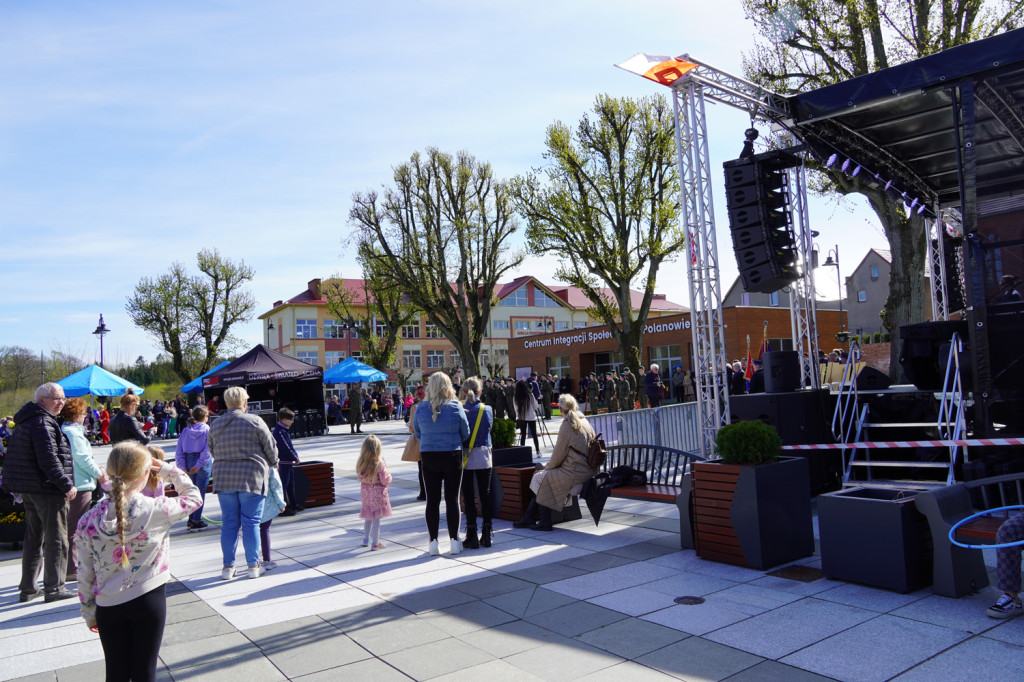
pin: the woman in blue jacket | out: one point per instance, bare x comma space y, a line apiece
441, 426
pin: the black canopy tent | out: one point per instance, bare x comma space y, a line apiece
274, 380
947, 130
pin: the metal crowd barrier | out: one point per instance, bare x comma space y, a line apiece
674, 426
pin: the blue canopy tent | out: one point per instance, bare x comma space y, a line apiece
196, 385
94, 380
351, 371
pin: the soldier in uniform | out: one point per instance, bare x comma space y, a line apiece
355, 408
611, 391
641, 394
593, 389
547, 391
510, 398
498, 399
487, 394
625, 391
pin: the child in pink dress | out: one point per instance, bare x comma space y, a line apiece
374, 479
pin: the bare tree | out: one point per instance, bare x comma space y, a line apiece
441, 232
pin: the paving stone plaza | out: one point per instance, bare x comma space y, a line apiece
581, 602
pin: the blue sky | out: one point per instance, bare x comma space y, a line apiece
134, 134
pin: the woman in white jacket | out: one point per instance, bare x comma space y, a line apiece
124, 560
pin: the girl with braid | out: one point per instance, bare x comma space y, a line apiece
123, 554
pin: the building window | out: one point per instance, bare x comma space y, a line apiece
781, 344
516, 298
561, 326
305, 329
773, 298
542, 300
874, 272
666, 357
500, 324
332, 330
411, 359
558, 365
579, 325
357, 354
522, 325
862, 296
744, 299
435, 359
455, 359
310, 356
432, 331
333, 357
412, 331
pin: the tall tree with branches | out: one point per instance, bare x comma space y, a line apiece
191, 316
607, 205
810, 43
441, 232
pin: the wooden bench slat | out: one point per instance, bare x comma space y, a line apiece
649, 491
984, 528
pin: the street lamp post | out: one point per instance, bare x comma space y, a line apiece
833, 260
348, 325
101, 331
270, 328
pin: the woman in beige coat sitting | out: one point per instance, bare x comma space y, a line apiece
566, 468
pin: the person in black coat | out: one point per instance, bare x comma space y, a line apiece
38, 466
739, 380
124, 425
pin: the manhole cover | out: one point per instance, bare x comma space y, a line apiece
689, 601
803, 574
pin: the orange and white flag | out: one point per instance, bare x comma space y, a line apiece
658, 68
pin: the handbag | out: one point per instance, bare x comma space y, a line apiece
596, 453
412, 447
472, 438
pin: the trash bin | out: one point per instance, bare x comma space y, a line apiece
875, 536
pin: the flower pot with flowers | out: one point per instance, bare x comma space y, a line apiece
752, 507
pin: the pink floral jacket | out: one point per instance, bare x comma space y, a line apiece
102, 579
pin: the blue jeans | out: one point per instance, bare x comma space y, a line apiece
240, 510
201, 478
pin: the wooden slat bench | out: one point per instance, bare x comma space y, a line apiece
957, 570
668, 479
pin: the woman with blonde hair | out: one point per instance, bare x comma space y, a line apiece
567, 466
123, 552
440, 425
124, 425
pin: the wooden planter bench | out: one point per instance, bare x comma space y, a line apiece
958, 571
668, 480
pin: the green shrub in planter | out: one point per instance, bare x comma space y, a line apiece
503, 433
748, 442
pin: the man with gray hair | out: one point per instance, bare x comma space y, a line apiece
38, 466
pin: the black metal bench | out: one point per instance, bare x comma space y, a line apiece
956, 570
668, 479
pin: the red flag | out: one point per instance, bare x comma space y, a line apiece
750, 366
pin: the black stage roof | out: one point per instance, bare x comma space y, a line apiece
900, 122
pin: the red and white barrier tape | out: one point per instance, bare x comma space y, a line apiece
908, 444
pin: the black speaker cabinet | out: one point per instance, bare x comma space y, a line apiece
870, 379
801, 417
921, 352
781, 371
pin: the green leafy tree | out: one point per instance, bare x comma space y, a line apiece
810, 44
441, 233
19, 367
606, 204
191, 316
378, 317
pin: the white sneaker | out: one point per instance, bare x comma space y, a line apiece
434, 549
228, 573
256, 571
269, 566
456, 546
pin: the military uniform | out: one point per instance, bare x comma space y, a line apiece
355, 409
593, 389
498, 396
630, 400
547, 392
641, 394
510, 400
625, 394
611, 392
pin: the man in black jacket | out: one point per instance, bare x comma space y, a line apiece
38, 465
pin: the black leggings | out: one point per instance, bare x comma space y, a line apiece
446, 468
480, 480
131, 634
532, 425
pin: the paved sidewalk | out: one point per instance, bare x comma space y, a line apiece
582, 602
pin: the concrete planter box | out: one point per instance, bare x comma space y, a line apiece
756, 516
875, 536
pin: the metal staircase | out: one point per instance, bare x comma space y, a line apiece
864, 451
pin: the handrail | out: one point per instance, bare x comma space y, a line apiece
951, 420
